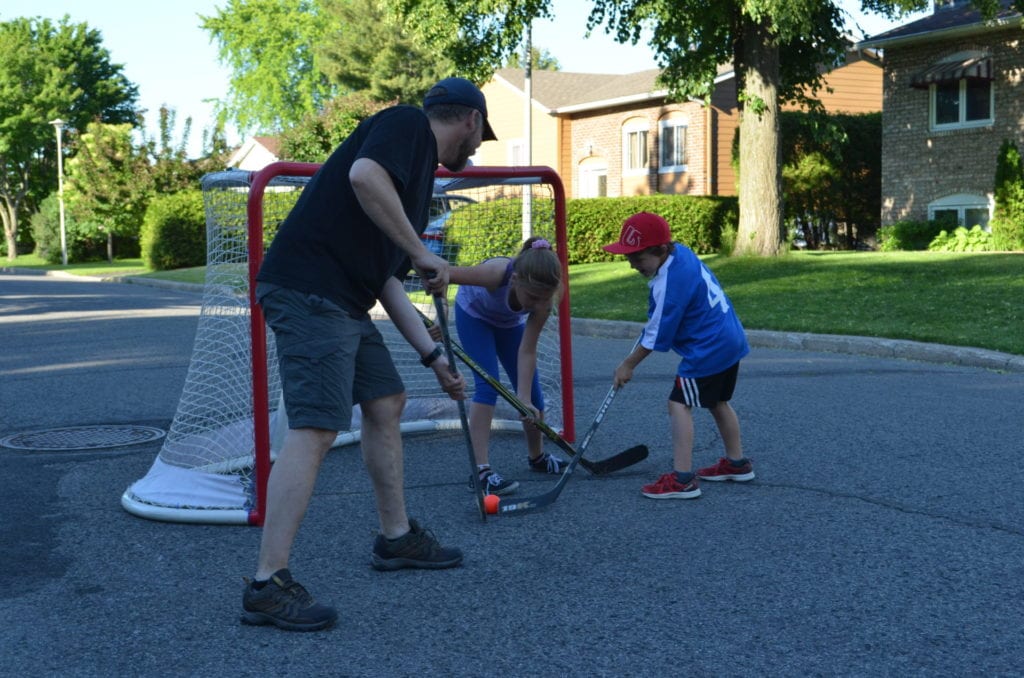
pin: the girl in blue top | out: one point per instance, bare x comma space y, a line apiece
690, 314
500, 310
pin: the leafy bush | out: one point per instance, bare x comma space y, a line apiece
81, 246
962, 240
697, 221
1008, 218
174, 231
909, 235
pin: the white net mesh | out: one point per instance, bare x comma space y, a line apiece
204, 470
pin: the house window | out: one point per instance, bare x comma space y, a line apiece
672, 140
593, 179
960, 92
634, 147
517, 152
964, 103
963, 209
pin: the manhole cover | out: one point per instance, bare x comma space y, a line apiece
82, 438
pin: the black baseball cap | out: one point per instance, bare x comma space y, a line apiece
464, 93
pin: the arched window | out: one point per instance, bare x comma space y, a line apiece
635, 158
962, 209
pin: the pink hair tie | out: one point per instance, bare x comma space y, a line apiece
540, 244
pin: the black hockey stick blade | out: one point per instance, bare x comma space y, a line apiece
624, 459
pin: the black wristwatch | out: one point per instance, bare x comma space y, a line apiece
429, 359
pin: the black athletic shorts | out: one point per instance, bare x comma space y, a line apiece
705, 391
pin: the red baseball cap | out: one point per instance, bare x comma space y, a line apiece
640, 231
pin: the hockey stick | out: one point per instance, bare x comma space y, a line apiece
531, 504
441, 305
601, 467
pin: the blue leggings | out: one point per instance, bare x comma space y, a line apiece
486, 345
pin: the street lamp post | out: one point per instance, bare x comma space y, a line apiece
59, 126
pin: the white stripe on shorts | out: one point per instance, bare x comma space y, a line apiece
691, 393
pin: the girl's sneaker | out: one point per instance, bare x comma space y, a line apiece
669, 487
547, 463
494, 484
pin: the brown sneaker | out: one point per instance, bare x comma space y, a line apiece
284, 602
416, 548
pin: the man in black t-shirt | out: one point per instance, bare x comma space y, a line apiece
349, 241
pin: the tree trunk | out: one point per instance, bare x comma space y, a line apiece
10, 220
760, 187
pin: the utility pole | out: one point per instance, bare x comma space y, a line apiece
59, 125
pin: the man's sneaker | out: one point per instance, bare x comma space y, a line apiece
494, 484
547, 463
284, 602
668, 487
724, 469
416, 548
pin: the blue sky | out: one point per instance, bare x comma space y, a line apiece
171, 59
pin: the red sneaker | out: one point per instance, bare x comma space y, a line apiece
667, 487
726, 470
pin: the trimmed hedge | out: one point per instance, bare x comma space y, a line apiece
174, 231
697, 221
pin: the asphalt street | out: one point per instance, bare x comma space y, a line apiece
883, 535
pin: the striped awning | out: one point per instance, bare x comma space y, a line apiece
975, 68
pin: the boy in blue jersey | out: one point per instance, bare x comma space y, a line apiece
688, 313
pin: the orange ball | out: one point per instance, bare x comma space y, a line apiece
491, 502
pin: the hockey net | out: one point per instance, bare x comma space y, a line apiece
215, 459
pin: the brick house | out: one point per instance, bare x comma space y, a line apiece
952, 94
617, 135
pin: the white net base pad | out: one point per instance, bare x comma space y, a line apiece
174, 494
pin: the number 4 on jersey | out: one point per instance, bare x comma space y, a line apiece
716, 296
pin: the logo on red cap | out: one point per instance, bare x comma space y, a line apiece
640, 231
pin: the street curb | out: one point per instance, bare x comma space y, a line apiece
795, 341
834, 343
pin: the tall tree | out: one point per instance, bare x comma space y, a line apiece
540, 59
50, 70
691, 39
270, 47
369, 51
110, 182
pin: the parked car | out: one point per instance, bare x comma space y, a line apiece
441, 208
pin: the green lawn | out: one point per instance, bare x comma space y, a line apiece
959, 299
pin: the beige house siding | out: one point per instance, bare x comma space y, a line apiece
856, 87
725, 121
919, 165
505, 112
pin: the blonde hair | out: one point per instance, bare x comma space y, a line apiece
537, 267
